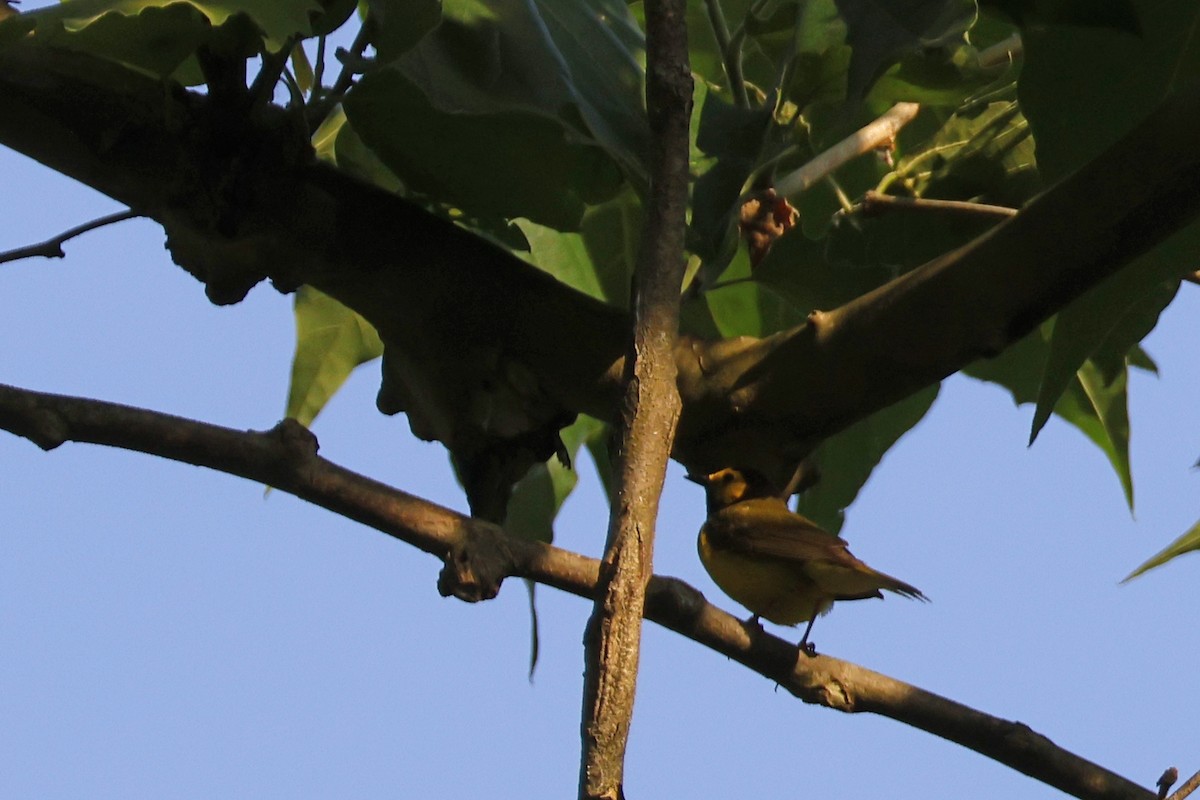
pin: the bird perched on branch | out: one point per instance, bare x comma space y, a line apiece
780, 565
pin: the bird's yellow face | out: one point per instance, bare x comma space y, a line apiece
723, 487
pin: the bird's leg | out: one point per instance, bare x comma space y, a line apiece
805, 646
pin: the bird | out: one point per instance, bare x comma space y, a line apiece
780, 565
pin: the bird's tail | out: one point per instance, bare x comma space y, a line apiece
900, 587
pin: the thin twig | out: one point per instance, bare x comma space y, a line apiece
1002, 53
650, 414
262, 90
876, 203
880, 133
731, 52
52, 248
286, 458
318, 68
321, 102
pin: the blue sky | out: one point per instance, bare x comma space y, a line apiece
169, 632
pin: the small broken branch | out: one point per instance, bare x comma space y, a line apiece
52, 248
878, 134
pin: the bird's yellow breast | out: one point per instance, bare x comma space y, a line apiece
771, 588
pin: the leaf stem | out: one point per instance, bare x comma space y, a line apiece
731, 51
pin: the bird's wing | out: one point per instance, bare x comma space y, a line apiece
767, 527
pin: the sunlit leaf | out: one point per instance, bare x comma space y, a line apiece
599, 259
1097, 403
537, 498
151, 33
1187, 543
331, 340
741, 306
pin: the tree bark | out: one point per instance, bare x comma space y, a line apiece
649, 415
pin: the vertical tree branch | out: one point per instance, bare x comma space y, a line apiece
649, 415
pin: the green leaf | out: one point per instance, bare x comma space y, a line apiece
1115, 14
847, 459
1111, 318
577, 64
741, 306
302, 69
537, 497
336, 142
881, 32
597, 261
1096, 403
983, 152
331, 340
510, 164
731, 143
1106, 322
158, 35
1187, 543
1083, 88
400, 24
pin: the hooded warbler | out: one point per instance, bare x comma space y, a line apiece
779, 565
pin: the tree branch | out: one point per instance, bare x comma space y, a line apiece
762, 403
879, 133
52, 248
650, 414
478, 556
874, 203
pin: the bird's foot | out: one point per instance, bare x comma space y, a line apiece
753, 625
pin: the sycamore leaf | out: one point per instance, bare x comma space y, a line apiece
846, 460
881, 32
1111, 318
1084, 87
151, 34
535, 167
331, 340
1097, 403
599, 259
1187, 543
575, 66
400, 24
537, 498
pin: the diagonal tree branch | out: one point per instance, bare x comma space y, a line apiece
478, 556
761, 403
649, 415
